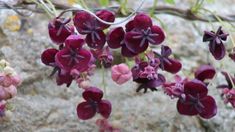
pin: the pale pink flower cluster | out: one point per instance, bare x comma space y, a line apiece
121, 73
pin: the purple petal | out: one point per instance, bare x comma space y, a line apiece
105, 108
171, 65
96, 40
92, 94
195, 87
74, 42
130, 26
85, 111
65, 78
165, 51
156, 82
142, 21
160, 35
105, 15
208, 36
217, 50
134, 44
210, 109
115, 37
205, 72
186, 108
48, 57
126, 52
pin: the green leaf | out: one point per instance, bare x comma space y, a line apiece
104, 2
170, 1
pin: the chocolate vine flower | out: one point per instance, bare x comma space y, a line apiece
168, 64
115, 39
215, 40
73, 56
59, 30
93, 104
143, 33
147, 76
48, 57
88, 25
229, 96
175, 89
196, 100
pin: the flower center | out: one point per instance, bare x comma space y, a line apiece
73, 57
196, 103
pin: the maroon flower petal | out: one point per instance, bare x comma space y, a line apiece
165, 51
48, 57
217, 50
115, 37
210, 108
96, 40
105, 15
92, 94
142, 21
81, 19
130, 26
126, 52
105, 108
59, 38
65, 61
64, 78
208, 36
156, 82
171, 65
185, 108
160, 35
74, 42
85, 111
205, 72
134, 44
195, 87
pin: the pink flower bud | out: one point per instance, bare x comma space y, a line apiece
7, 92
16, 80
121, 73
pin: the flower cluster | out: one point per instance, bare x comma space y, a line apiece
138, 34
192, 94
9, 81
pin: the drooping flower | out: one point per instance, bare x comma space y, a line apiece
104, 56
229, 96
59, 30
175, 89
88, 25
121, 73
196, 100
205, 72
168, 64
73, 56
146, 75
93, 104
142, 33
115, 39
216, 45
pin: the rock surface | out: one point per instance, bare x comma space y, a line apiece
42, 106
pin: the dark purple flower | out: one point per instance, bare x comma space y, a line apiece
115, 39
205, 72
141, 32
196, 100
175, 89
59, 30
216, 45
63, 77
147, 76
88, 25
93, 104
168, 64
104, 56
73, 56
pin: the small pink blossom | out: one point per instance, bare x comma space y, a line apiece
121, 73
229, 96
7, 92
105, 126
